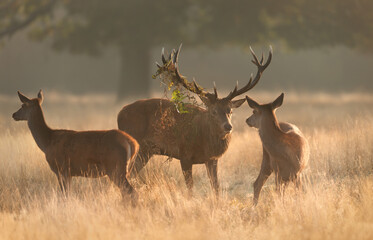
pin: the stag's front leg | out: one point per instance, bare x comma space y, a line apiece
212, 171
186, 167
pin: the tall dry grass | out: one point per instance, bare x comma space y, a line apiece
336, 202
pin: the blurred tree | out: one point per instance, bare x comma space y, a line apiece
298, 23
18, 14
87, 26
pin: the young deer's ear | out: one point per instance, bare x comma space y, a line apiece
238, 103
278, 102
252, 103
40, 96
23, 98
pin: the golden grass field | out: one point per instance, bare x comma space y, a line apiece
336, 201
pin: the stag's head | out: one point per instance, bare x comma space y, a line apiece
263, 112
28, 106
219, 109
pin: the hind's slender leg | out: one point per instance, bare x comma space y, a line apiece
119, 179
64, 180
279, 182
283, 188
141, 160
265, 172
62, 171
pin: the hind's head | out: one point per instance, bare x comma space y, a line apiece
263, 112
28, 106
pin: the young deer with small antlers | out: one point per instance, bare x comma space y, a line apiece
285, 149
200, 136
85, 153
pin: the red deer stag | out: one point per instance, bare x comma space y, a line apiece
86, 153
200, 136
285, 149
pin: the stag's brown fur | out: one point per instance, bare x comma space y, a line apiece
193, 138
199, 136
80, 153
285, 149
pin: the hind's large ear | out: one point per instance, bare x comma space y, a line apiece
40, 96
238, 103
23, 98
278, 102
252, 103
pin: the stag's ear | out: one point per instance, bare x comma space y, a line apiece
40, 96
252, 103
238, 103
278, 102
23, 98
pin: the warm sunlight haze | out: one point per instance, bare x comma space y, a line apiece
186, 120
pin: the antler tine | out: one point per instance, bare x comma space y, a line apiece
175, 59
171, 68
163, 58
255, 61
269, 57
262, 59
196, 87
176, 54
236, 87
251, 78
215, 91
252, 82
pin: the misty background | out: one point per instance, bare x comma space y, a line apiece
111, 46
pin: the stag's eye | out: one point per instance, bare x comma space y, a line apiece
215, 112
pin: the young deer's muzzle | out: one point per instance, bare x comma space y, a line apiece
16, 116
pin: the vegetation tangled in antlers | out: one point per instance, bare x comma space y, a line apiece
167, 74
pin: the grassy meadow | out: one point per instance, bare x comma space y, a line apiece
336, 201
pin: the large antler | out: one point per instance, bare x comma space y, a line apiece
252, 83
171, 67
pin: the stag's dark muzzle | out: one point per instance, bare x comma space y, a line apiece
228, 128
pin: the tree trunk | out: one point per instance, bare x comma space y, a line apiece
135, 76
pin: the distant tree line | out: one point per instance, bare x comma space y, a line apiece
135, 27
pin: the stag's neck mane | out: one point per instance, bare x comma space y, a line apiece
39, 129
